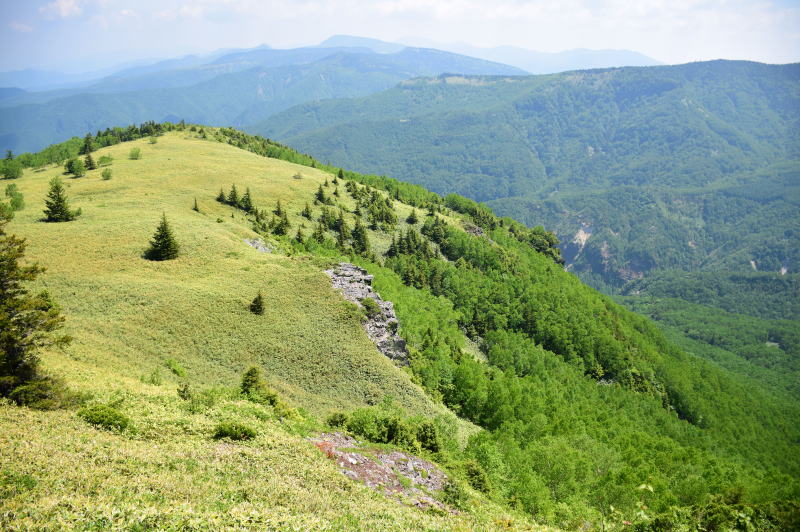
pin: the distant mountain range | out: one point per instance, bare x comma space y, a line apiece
241, 87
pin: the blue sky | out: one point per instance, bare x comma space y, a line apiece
82, 35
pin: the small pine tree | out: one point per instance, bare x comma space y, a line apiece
163, 246
195, 207
221, 196
233, 196
307, 212
340, 175
412, 218
281, 225
246, 203
320, 196
319, 234
278, 209
336, 192
56, 205
257, 305
326, 184
106, 174
88, 145
255, 388
361, 239
300, 238
89, 162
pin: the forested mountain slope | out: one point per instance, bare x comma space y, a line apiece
238, 88
685, 167
587, 414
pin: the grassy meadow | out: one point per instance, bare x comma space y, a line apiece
140, 328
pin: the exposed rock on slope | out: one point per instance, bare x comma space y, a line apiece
383, 470
356, 285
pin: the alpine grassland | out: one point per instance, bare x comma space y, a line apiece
543, 400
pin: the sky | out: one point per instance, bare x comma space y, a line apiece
84, 35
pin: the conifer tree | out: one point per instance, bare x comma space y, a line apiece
246, 203
221, 196
233, 196
56, 204
307, 212
282, 225
27, 321
195, 207
320, 196
340, 175
89, 162
326, 184
412, 218
257, 305
75, 167
300, 237
163, 246
361, 239
319, 234
278, 209
88, 145
336, 192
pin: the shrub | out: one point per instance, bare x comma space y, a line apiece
104, 417
428, 436
476, 476
175, 368
104, 160
153, 140
337, 420
234, 431
256, 389
135, 154
454, 494
185, 391
371, 308
257, 305
43, 394
106, 174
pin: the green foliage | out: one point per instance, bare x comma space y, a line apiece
371, 308
175, 367
104, 417
28, 323
135, 154
163, 246
454, 494
56, 205
257, 305
256, 389
76, 167
89, 162
337, 420
43, 393
105, 160
16, 200
13, 484
106, 174
234, 431
11, 169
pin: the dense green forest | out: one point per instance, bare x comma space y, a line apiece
691, 167
587, 407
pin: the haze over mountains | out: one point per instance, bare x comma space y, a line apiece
243, 87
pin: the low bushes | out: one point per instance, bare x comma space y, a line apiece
234, 431
105, 417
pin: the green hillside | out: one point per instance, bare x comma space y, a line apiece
572, 410
690, 167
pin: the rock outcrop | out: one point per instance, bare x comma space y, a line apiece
356, 285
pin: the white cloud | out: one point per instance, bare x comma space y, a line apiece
61, 9
129, 13
20, 27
